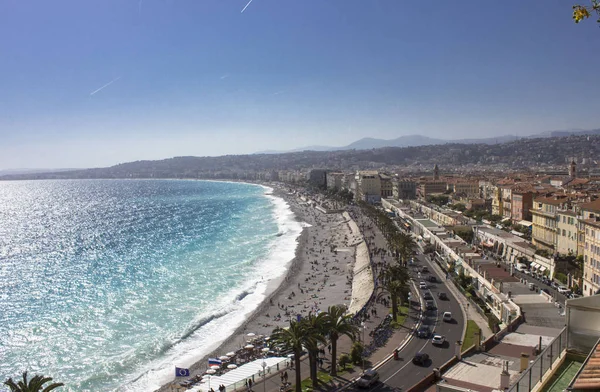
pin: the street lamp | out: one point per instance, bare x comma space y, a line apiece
364, 327
264, 365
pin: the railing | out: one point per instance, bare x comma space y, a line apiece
536, 370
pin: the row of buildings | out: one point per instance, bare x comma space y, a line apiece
561, 210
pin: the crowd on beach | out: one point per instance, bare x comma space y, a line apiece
322, 272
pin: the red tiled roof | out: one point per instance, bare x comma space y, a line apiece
589, 378
554, 200
593, 206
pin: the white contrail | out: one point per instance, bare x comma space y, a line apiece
105, 86
246, 6
140, 7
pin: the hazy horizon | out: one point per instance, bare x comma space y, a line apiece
93, 84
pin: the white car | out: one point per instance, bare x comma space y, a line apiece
438, 340
447, 316
563, 290
423, 286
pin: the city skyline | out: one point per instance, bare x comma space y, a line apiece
96, 84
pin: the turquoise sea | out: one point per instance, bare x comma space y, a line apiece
107, 285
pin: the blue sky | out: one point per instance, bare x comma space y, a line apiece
198, 77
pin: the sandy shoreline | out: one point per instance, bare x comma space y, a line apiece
320, 275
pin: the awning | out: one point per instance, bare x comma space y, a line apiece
524, 223
505, 219
535, 265
542, 268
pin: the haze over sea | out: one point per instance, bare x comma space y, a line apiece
109, 284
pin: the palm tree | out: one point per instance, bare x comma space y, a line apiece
338, 324
396, 272
292, 338
34, 385
315, 333
396, 289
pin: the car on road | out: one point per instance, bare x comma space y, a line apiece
425, 269
420, 358
427, 295
563, 290
447, 316
423, 332
422, 285
442, 296
432, 279
429, 304
368, 378
438, 340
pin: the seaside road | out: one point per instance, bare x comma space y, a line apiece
403, 373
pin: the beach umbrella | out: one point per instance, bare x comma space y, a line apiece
230, 354
249, 346
232, 366
215, 367
268, 338
210, 371
265, 350
251, 334
224, 358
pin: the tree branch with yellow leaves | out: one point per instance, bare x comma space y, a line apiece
581, 12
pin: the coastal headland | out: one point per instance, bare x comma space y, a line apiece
331, 267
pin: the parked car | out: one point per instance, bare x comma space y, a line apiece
423, 332
421, 358
425, 269
429, 305
442, 296
427, 295
438, 340
423, 285
368, 378
432, 279
447, 316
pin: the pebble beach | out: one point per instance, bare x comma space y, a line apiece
331, 267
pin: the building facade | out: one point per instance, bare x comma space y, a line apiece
521, 204
591, 256
468, 189
368, 186
590, 226
566, 232
404, 189
387, 188
543, 216
318, 177
335, 181
427, 188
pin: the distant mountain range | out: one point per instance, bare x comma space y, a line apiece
368, 143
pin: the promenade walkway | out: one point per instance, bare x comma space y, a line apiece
375, 241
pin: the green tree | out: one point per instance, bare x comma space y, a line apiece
356, 352
344, 360
338, 324
314, 327
36, 384
292, 338
396, 289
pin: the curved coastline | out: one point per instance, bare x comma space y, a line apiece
326, 247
